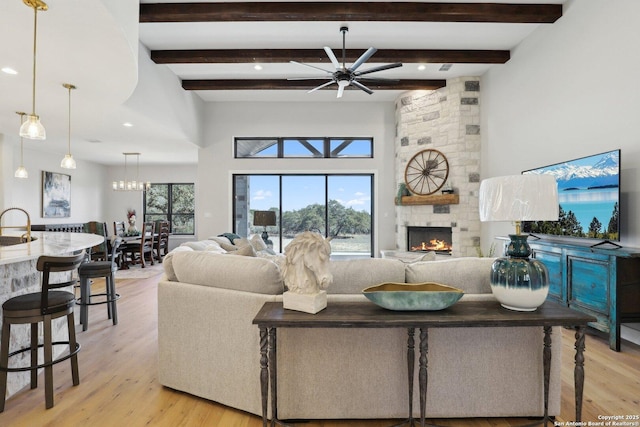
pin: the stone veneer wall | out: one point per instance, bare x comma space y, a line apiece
448, 120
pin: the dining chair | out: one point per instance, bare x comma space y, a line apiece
98, 252
161, 239
140, 249
119, 228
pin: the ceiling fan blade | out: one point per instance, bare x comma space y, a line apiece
380, 68
321, 86
340, 91
361, 86
332, 57
312, 66
363, 58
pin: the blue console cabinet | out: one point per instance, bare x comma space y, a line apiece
602, 281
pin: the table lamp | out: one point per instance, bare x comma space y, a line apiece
518, 282
264, 219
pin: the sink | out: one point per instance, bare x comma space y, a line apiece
13, 240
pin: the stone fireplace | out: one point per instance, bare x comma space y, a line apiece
426, 239
447, 120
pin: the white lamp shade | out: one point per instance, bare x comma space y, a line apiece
519, 198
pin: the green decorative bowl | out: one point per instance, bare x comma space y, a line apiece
413, 296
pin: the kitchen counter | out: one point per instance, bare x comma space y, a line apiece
47, 243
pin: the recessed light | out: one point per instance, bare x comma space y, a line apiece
257, 67
127, 124
9, 70
422, 67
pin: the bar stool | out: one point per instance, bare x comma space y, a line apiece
95, 269
37, 307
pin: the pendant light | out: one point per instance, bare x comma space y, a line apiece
32, 128
131, 185
68, 162
21, 172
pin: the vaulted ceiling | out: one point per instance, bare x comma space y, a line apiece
215, 48
211, 50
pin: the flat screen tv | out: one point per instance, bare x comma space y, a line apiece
589, 198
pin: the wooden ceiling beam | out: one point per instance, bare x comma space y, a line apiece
282, 84
316, 56
350, 11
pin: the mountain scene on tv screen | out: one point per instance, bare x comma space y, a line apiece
588, 193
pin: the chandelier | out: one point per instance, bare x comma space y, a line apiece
131, 184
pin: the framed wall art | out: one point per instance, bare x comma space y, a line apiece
56, 195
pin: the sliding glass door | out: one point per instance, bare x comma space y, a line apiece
336, 206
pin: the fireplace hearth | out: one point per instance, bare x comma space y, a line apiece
426, 239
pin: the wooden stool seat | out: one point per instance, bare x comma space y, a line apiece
43, 306
93, 270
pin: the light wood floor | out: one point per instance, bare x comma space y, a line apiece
118, 384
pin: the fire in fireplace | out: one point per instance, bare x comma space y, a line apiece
424, 239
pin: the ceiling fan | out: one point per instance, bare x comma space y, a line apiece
345, 76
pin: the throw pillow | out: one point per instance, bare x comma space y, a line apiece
230, 236
257, 242
224, 243
246, 250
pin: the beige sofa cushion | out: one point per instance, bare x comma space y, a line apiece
471, 274
243, 273
352, 276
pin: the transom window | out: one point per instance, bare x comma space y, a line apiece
323, 148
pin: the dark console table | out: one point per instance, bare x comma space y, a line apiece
603, 281
463, 314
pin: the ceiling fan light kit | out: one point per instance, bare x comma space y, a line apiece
344, 76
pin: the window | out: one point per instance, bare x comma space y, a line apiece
323, 148
336, 205
174, 203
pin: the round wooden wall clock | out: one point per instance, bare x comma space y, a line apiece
426, 172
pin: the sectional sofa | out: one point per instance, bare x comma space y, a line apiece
209, 347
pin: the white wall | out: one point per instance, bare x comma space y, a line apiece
87, 192
92, 197
224, 121
569, 90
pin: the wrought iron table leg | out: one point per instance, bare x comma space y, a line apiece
578, 373
410, 369
264, 374
423, 376
273, 365
547, 371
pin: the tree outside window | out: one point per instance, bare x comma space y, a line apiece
174, 203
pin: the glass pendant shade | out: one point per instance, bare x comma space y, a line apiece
68, 162
32, 128
518, 282
21, 172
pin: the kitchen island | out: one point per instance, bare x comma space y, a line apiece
18, 275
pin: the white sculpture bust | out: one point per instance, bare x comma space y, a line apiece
306, 272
